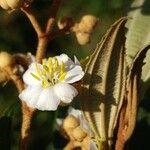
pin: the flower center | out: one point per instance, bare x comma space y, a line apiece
50, 73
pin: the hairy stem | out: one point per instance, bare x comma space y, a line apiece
41, 48
26, 113
43, 40
52, 15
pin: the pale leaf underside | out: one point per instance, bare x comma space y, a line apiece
104, 82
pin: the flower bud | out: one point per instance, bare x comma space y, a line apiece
27, 3
70, 122
79, 134
11, 4
4, 4
64, 22
87, 23
6, 60
83, 38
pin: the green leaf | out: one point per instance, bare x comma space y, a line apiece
5, 130
138, 36
8, 100
104, 83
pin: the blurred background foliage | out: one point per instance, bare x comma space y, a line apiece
17, 35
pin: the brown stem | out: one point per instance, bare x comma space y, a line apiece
53, 12
41, 48
27, 113
43, 37
22, 60
43, 40
72, 145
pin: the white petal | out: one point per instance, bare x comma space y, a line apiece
76, 61
74, 112
48, 100
28, 78
93, 145
31, 95
63, 57
32, 57
59, 122
74, 75
67, 61
84, 125
65, 92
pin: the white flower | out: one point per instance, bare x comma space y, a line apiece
49, 83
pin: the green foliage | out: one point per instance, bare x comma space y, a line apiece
5, 133
7, 104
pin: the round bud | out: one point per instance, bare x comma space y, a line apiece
79, 134
15, 4
11, 4
6, 60
86, 142
27, 3
4, 4
87, 23
70, 122
83, 38
64, 22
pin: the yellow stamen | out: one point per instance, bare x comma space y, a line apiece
45, 70
36, 77
44, 83
38, 70
43, 61
50, 64
62, 70
62, 76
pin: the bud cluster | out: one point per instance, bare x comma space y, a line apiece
7, 62
72, 127
14, 4
84, 28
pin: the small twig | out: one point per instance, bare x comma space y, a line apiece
44, 39
53, 12
33, 21
22, 60
72, 145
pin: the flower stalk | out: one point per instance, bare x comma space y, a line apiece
43, 41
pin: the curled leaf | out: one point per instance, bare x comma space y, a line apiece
138, 36
128, 111
104, 83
